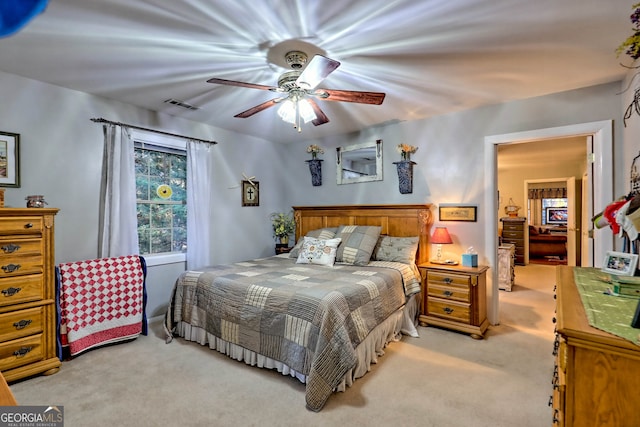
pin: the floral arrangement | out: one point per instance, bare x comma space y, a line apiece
631, 46
283, 225
406, 150
315, 150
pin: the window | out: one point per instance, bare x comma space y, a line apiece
161, 196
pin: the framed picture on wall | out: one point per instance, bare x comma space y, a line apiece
448, 212
9, 159
250, 193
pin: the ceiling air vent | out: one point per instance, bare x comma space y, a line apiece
181, 104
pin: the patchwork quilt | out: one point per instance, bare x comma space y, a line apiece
310, 317
101, 301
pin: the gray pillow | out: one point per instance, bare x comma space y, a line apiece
320, 233
358, 242
396, 249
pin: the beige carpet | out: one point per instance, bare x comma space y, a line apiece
441, 379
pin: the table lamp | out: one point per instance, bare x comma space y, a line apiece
441, 237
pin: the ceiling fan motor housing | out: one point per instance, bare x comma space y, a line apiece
296, 59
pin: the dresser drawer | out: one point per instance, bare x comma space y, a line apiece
15, 265
22, 289
448, 309
510, 226
21, 351
458, 293
21, 323
510, 234
16, 246
21, 225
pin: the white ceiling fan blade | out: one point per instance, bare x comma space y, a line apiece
316, 71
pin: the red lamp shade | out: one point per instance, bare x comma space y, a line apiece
441, 236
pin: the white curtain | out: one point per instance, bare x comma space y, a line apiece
199, 203
119, 224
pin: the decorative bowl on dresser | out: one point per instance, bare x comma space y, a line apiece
454, 297
27, 293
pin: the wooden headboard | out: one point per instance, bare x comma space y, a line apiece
395, 220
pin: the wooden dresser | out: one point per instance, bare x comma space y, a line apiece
27, 293
597, 374
513, 232
454, 297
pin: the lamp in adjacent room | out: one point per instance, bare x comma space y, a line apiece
440, 237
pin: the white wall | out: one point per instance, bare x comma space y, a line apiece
61, 158
450, 160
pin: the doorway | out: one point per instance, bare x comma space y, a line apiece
601, 166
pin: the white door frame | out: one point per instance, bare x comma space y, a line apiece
602, 133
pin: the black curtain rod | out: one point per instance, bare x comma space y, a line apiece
101, 120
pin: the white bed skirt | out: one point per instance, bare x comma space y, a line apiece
367, 352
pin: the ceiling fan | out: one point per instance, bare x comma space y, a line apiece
300, 85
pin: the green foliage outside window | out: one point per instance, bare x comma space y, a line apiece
162, 222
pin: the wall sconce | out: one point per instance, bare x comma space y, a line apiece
441, 237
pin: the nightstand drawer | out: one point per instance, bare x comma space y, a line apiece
21, 352
447, 279
452, 310
458, 293
21, 323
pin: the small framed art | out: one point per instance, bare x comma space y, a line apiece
620, 263
9, 159
458, 213
250, 193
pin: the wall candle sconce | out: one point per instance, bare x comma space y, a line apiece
441, 237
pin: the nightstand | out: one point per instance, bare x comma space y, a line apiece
283, 249
454, 297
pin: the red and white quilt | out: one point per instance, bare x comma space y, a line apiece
101, 301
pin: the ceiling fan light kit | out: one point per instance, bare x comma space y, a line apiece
298, 90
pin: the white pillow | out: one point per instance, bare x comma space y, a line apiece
318, 251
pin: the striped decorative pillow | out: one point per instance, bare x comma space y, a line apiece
358, 242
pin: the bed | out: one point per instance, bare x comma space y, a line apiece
323, 322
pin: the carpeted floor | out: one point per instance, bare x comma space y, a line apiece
441, 379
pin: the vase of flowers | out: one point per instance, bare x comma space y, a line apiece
315, 164
406, 150
405, 168
631, 46
283, 226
